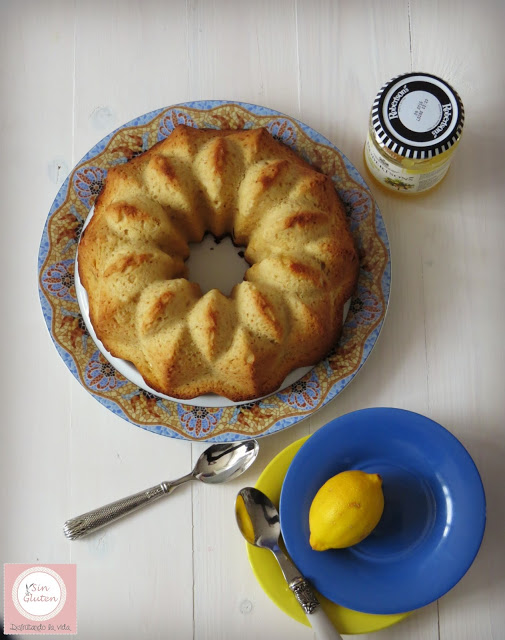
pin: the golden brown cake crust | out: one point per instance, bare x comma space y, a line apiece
287, 313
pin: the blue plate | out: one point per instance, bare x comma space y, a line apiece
434, 515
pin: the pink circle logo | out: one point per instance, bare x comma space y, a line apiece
39, 593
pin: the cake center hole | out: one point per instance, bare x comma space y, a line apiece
216, 264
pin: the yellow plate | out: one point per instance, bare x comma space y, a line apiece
269, 575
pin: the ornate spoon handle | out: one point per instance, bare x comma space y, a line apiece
319, 621
302, 589
91, 521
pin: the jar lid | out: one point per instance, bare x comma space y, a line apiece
417, 115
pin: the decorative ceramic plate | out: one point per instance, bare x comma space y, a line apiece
269, 575
434, 510
217, 424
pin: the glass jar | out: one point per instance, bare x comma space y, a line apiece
416, 123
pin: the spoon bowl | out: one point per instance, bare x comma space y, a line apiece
224, 462
257, 518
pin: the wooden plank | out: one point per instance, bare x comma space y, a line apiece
131, 58
463, 267
235, 54
228, 601
348, 41
344, 60
126, 65
147, 556
36, 137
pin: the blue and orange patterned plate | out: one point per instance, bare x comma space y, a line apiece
62, 314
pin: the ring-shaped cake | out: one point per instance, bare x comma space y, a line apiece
287, 313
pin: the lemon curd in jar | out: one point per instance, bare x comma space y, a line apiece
415, 126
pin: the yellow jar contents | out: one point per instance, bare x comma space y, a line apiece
415, 127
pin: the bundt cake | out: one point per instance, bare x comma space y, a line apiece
287, 313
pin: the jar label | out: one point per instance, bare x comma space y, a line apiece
420, 111
397, 178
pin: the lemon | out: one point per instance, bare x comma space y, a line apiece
345, 510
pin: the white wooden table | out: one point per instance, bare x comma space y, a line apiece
73, 71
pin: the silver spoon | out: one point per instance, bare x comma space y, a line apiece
219, 463
258, 520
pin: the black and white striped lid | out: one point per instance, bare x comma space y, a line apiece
417, 115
